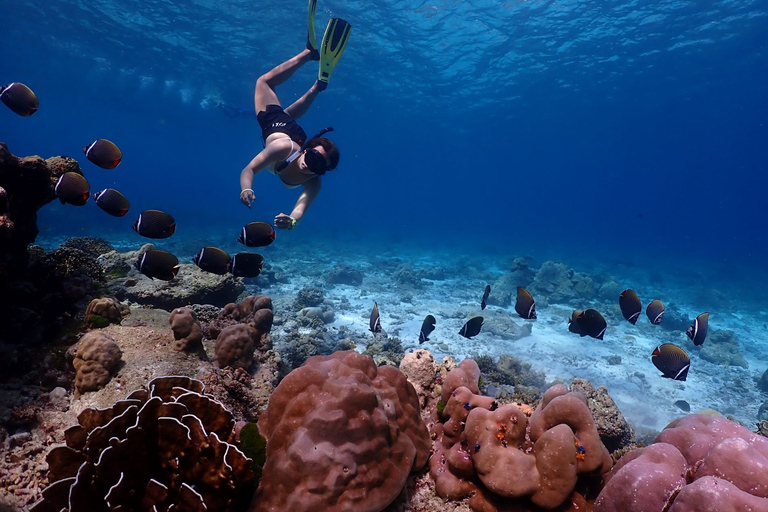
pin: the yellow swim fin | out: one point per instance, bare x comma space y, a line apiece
334, 42
311, 39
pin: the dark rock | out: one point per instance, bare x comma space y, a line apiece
615, 432
762, 384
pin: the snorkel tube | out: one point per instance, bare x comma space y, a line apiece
285, 163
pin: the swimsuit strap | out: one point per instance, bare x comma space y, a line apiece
294, 154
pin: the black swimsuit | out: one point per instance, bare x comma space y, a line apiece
275, 119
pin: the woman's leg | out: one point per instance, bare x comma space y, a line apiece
265, 85
299, 107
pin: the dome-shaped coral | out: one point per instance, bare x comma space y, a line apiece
96, 356
342, 435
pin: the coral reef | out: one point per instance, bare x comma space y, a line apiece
341, 435
508, 370
556, 282
28, 183
385, 350
255, 310
344, 274
6, 224
505, 288
104, 311
187, 333
308, 297
167, 447
92, 246
696, 464
722, 348
95, 357
245, 329
323, 313
502, 459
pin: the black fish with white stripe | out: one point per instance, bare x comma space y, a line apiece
19, 98
472, 327
525, 305
213, 260
486, 293
72, 188
246, 264
655, 311
672, 361
375, 321
630, 305
698, 330
155, 224
427, 326
103, 153
257, 234
112, 202
591, 323
158, 265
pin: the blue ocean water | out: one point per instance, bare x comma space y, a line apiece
627, 134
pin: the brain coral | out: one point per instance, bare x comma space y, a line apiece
164, 448
96, 357
342, 435
696, 464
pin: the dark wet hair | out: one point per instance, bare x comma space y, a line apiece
331, 151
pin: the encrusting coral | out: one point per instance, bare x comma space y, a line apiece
342, 435
187, 333
696, 464
504, 460
167, 447
96, 356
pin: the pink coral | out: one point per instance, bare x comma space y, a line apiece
696, 464
342, 435
500, 458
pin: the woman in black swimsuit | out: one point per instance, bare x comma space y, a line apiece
287, 153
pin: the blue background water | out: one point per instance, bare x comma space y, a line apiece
633, 131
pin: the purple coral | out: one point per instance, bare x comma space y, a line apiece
696, 464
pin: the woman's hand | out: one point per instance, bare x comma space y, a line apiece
284, 221
247, 197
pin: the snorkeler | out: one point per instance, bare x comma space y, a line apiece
287, 153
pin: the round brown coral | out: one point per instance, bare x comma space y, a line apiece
341, 435
164, 448
104, 311
235, 346
187, 333
96, 357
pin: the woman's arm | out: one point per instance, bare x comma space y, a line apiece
268, 156
311, 191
